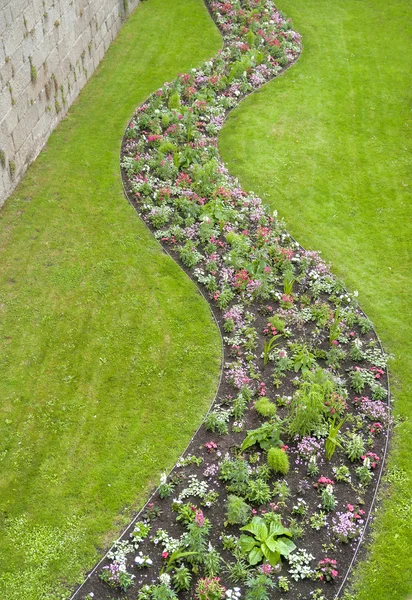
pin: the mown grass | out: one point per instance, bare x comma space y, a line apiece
109, 356
328, 145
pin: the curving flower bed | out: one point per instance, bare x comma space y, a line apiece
272, 495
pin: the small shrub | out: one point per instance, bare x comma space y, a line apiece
209, 589
308, 406
265, 407
355, 447
174, 101
328, 498
217, 421
259, 587
278, 323
181, 579
238, 511
259, 491
278, 461
212, 562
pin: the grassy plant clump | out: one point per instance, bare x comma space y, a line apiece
278, 461
265, 407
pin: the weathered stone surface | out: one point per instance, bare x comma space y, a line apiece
48, 50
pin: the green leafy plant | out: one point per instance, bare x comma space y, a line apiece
364, 474
308, 407
281, 490
236, 474
240, 404
259, 587
334, 327
355, 446
302, 359
268, 347
278, 461
288, 282
209, 589
332, 441
175, 557
357, 380
217, 421
283, 584
342, 473
237, 571
267, 543
267, 436
318, 520
259, 491
265, 407
174, 101
238, 511
328, 498
181, 579
278, 323
313, 468
165, 488
212, 562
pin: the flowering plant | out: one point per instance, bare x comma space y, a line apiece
210, 589
326, 570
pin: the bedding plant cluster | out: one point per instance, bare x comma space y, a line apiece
271, 496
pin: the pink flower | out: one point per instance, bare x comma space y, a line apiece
266, 569
199, 518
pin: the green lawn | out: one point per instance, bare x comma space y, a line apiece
328, 145
109, 356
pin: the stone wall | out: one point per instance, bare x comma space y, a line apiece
48, 51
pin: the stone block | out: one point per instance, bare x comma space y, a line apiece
8, 16
27, 152
21, 80
14, 37
22, 104
6, 73
17, 59
28, 15
52, 61
5, 102
2, 54
17, 8
4, 145
8, 123
38, 10
19, 135
3, 23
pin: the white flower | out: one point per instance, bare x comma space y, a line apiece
164, 579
